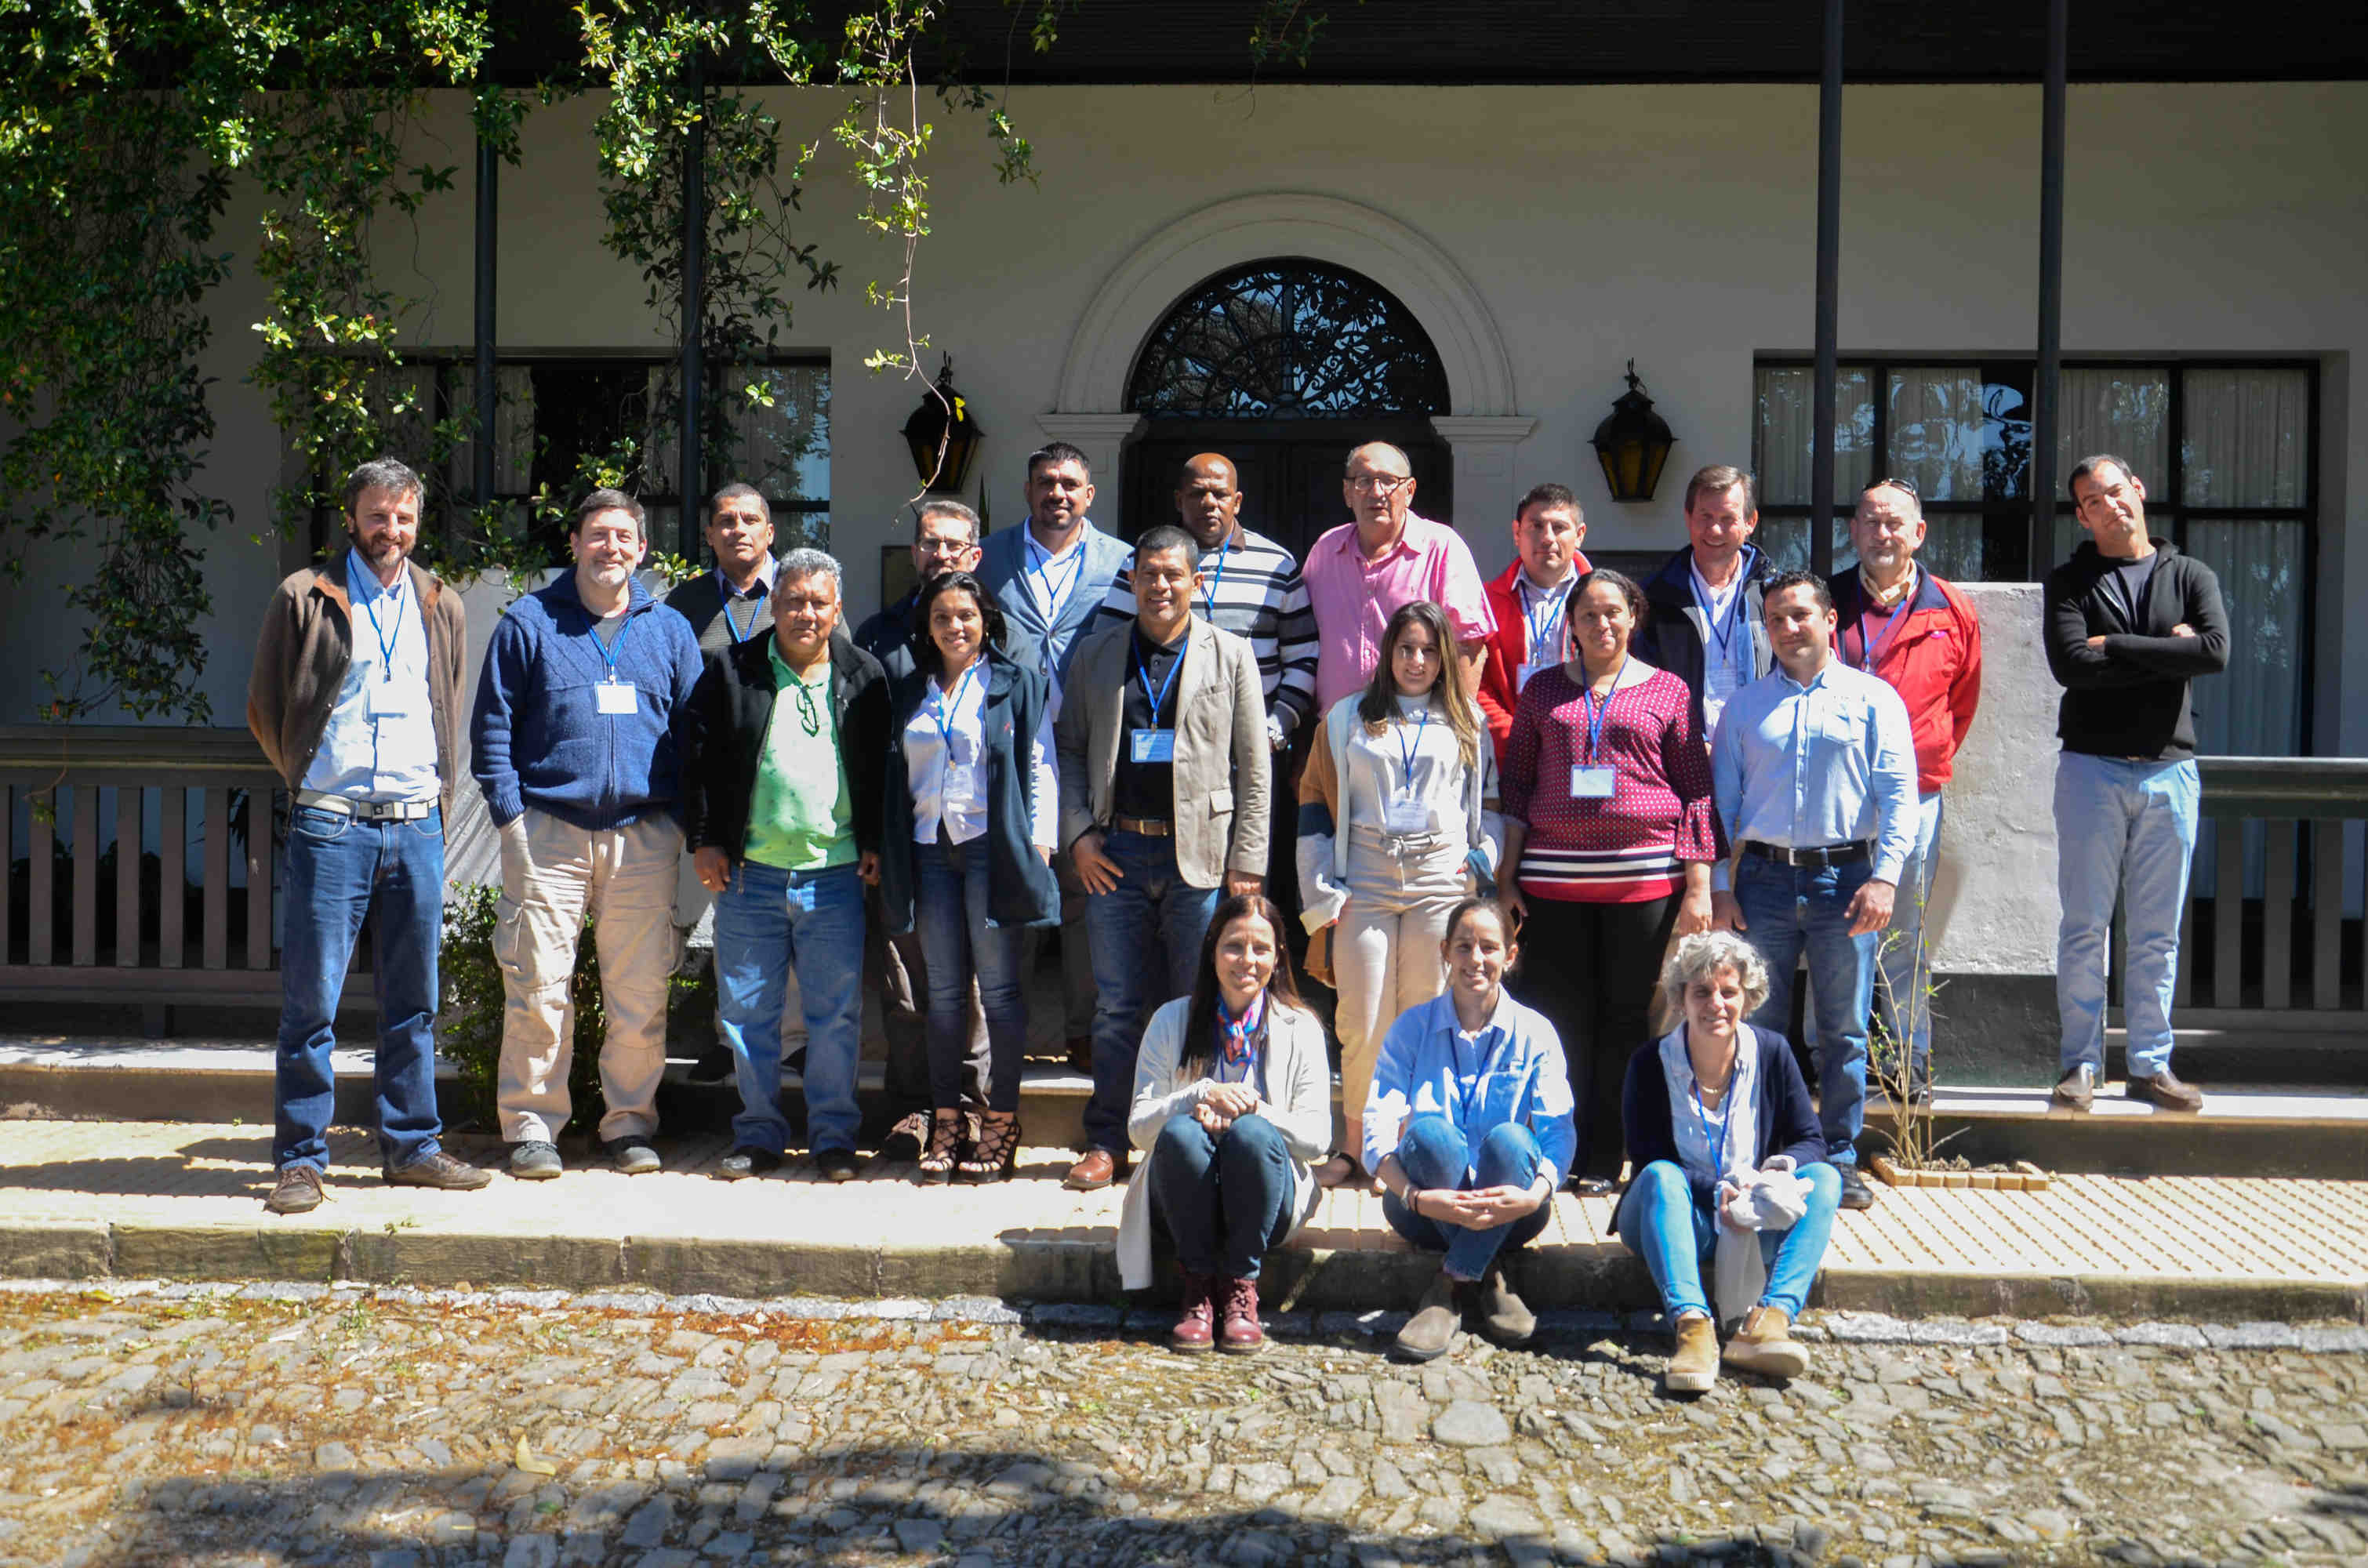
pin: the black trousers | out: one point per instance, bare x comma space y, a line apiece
1592, 969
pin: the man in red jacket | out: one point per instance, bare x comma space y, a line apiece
1528, 599
1920, 634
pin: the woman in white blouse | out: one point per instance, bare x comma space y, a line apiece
968, 852
1397, 824
1232, 1102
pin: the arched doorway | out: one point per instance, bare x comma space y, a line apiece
1283, 364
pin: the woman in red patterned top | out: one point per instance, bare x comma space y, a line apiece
1610, 827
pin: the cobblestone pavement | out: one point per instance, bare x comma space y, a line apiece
213, 1424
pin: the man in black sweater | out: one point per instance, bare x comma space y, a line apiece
2129, 622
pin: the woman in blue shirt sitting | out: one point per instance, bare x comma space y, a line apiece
1719, 1125
1468, 1125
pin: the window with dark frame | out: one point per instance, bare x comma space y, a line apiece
556, 409
2226, 449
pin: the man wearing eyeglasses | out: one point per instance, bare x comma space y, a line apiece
945, 539
1358, 573
1918, 632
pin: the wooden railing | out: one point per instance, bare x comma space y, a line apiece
2271, 948
128, 788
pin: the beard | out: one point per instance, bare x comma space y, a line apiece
381, 552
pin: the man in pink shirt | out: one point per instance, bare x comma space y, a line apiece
1358, 573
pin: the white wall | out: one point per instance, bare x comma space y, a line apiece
1672, 224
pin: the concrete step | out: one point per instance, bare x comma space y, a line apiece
2293, 1130
183, 1201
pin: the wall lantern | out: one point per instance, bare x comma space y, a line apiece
932, 431
1633, 443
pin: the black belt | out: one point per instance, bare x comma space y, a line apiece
1830, 855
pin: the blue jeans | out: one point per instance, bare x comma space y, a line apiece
1790, 909
767, 921
2126, 828
950, 904
1674, 1229
339, 871
1226, 1197
1145, 934
1433, 1154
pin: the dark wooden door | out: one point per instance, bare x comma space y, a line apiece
1290, 469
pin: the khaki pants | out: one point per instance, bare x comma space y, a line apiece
1386, 949
554, 877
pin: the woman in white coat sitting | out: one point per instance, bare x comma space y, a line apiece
1233, 1103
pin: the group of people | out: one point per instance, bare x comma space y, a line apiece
1055, 731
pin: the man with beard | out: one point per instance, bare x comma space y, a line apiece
365, 731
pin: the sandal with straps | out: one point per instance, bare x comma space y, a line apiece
997, 1149
938, 1160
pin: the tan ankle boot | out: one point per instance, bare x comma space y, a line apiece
1693, 1366
1765, 1344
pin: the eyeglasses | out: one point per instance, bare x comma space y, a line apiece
942, 546
1379, 483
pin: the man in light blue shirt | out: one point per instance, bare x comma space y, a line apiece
1051, 576
1814, 771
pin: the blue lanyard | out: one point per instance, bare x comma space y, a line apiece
1142, 673
1724, 640
1464, 1096
1596, 713
739, 635
386, 640
1877, 643
609, 650
1407, 749
1540, 634
1725, 1119
1054, 600
1209, 594
948, 701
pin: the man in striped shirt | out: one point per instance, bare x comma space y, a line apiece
1249, 587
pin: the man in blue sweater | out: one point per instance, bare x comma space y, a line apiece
573, 745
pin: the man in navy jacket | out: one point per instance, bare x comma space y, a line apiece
573, 746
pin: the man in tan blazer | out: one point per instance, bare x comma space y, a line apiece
1164, 801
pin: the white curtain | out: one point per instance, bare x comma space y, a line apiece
1787, 437
2124, 410
1937, 425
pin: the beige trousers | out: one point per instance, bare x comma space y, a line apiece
556, 877
1386, 949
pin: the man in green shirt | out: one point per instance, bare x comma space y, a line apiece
783, 747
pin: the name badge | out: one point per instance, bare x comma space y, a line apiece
1522, 674
390, 698
1592, 783
1151, 745
1408, 813
616, 697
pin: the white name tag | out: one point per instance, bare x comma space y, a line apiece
1407, 813
390, 698
1151, 745
616, 697
1521, 673
1592, 783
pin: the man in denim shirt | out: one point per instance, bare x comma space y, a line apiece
1814, 771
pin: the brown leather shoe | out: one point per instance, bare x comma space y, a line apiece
1765, 1344
1195, 1329
1693, 1366
1243, 1334
2077, 1090
298, 1191
441, 1171
1081, 1053
1096, 1171
2166, 1092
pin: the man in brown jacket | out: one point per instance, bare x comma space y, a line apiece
365, 730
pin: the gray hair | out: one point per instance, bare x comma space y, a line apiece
381, 474
807, 562
740, 492
953, 510
2087, 468
1703, 955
